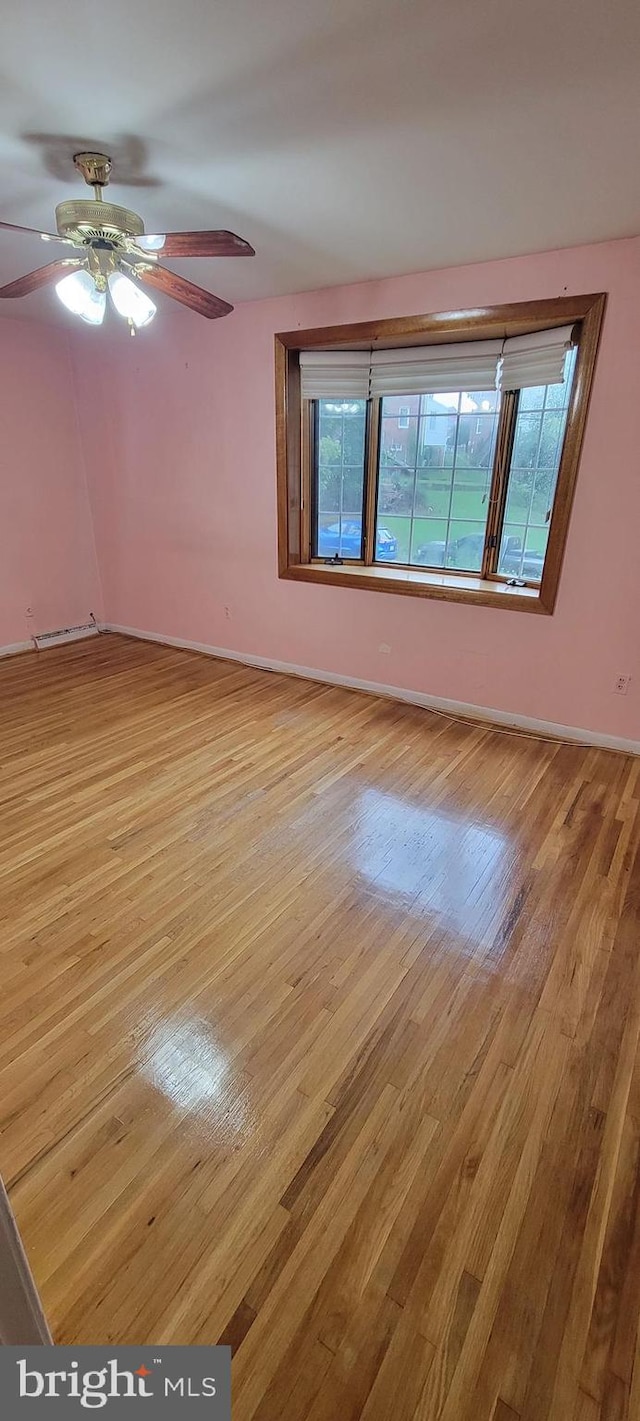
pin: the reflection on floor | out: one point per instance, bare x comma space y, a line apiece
320, 1035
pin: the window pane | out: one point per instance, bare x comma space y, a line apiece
557, 394
434, 404
551, 435
433, 493
393, 536
398, 406
437, 440
435, 476
512, 549
527, 439
470, 493
429, 542
543, 495
533, 474
533, 398
519, 495
397, 462
339, 478
465, 545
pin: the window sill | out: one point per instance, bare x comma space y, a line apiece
414, 582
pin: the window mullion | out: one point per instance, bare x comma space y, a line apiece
308, 471
372, 449
499, 482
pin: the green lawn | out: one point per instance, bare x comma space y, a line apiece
427, 530
468, 514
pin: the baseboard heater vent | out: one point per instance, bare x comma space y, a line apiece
65, 634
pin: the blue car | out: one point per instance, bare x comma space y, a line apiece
349, 545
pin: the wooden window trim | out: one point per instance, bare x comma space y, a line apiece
292, 446
371, 484
498, 491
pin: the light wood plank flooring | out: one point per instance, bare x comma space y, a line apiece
320, 1022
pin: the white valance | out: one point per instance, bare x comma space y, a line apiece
512, 364
334, 373
435, 369
535, 359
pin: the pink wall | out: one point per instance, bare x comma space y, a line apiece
182, 483
48, 560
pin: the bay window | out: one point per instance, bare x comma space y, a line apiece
435, 466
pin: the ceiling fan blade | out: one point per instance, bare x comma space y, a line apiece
35, 232
42, 277
204, 302
196, 244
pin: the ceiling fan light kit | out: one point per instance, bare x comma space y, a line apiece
80, 294
116, 258
129, 301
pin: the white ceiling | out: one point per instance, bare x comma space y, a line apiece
346, 139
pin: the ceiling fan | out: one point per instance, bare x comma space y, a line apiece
112, 248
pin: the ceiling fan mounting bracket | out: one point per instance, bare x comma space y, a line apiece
95, 168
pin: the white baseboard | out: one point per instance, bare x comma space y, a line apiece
14, 647
397, 693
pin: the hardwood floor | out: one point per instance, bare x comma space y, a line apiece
320, 1024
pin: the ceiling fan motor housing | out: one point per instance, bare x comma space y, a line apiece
86, 221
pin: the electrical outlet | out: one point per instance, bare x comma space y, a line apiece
227, 613
621, 685
384, 648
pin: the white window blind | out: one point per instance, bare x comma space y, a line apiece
536, 359
512, 364
435, 369
338, 373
